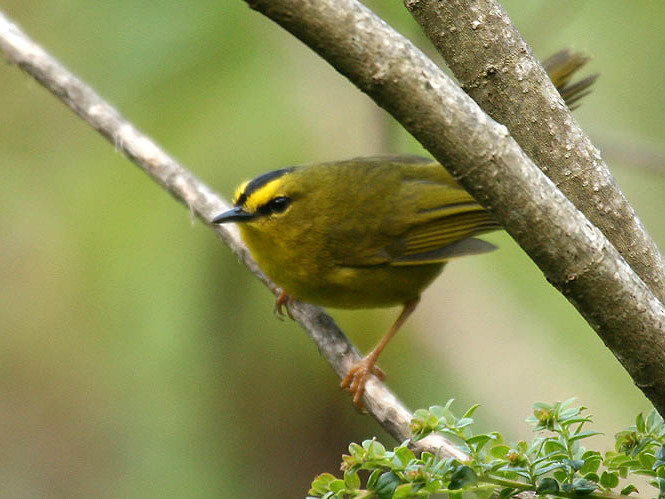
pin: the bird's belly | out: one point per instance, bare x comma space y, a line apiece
361, 287
316, 279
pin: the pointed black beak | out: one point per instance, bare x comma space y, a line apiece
236, 214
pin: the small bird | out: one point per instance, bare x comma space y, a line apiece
362, 233
369, 232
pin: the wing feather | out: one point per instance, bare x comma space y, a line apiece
422, 217
442, 219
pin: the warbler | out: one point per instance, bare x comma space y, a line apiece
362, 233
368, 232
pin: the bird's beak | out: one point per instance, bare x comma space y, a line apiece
236, 214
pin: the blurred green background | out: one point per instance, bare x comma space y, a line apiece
138, 358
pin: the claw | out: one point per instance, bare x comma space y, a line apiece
357, 377
282, 301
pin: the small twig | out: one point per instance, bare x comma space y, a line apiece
202, 201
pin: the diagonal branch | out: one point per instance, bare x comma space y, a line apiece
573, 254
20, 50
497, 68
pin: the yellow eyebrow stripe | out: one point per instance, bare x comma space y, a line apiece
247, 190
262, 195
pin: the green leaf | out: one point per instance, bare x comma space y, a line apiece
567, 402
321, 484
590, 453
643, 444
639, 423
479, 441
547, 486
403, 491
591, 462
463, 476
373, 478
356, 450
560, 475
577, 419
592, 477
443, 414
546, 458
660, 453
337, 485
449, 402
660, 458
647, 461
375, 450
555, 445
444, 466
623, 471
546, 468
463, 422
386, 485
583, 434
351, 480
499, 451
614, 460
575, 464
523, 473
654, 422
470, 411
628, 489
404, 455
582, 487
609, 480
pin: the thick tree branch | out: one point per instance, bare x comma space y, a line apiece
574, 255
18, 49
498, 70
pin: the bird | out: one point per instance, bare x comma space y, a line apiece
369, 232
361, 233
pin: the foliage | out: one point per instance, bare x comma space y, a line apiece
554, 463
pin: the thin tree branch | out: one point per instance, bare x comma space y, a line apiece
18, 49
574, 255
497, 68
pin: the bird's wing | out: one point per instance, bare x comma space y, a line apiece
428, 219
442, 234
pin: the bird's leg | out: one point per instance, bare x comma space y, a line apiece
358, 375
282, 300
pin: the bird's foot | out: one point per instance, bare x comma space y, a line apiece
358, 376
281, 301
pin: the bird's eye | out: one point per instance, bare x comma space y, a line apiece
279, 204
276, 205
